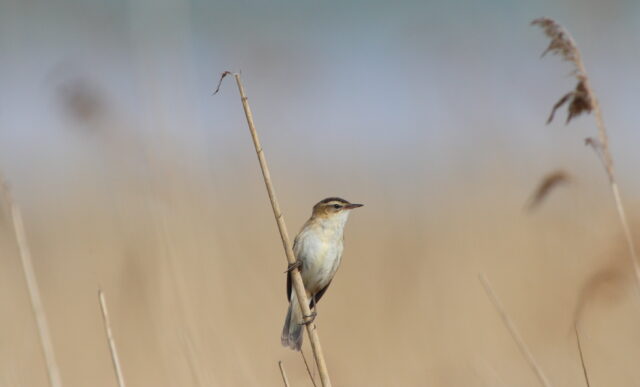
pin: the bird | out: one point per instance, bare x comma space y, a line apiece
318, 250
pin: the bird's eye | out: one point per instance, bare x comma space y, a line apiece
337, 206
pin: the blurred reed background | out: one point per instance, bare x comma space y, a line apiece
133, 178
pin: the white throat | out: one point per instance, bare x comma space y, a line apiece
335, 224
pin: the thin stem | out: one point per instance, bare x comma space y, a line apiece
627, 230
607, 162
284, 374
514, 332
298, 285
304, 358
584, 368
112, 344
34, 291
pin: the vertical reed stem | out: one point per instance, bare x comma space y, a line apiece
514, 332
607, 162
298, 285
584, 367
306, 365
284, 374
563, 44
112, 343
34, 291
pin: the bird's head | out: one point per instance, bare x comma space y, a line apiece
333, 207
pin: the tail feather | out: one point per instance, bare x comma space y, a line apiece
292, 333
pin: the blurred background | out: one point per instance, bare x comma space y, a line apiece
132, 177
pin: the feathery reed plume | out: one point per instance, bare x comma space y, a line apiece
584, 368
562, 44
284, 374
32, 285
583, 99
112, 343
547, 184
298, 285
514, 332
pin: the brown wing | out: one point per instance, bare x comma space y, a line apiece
316, 298
295, 242
318, 295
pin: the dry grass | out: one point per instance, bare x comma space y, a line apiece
434, 325
285, 380
37, 306
582, 363
517, 337
583, 100
115, 359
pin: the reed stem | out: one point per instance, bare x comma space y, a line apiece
112, 343
32, 285
298, 285
284, 374
514, 332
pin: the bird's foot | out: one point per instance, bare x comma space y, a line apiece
306, 320
292, 266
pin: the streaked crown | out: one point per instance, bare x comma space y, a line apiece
333, 205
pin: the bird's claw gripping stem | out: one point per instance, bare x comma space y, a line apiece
306, 320
292, 266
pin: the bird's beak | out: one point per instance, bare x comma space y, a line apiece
352, 206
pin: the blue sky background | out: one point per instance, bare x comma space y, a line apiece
402, 83
410, 99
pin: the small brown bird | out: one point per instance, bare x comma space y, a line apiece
318, 249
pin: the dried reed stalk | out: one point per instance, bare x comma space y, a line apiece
284, 374
514, 332
298, 285
32, 285
583, 99
584, 368
112, 343
306, 365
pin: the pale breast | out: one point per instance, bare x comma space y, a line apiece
320, 256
